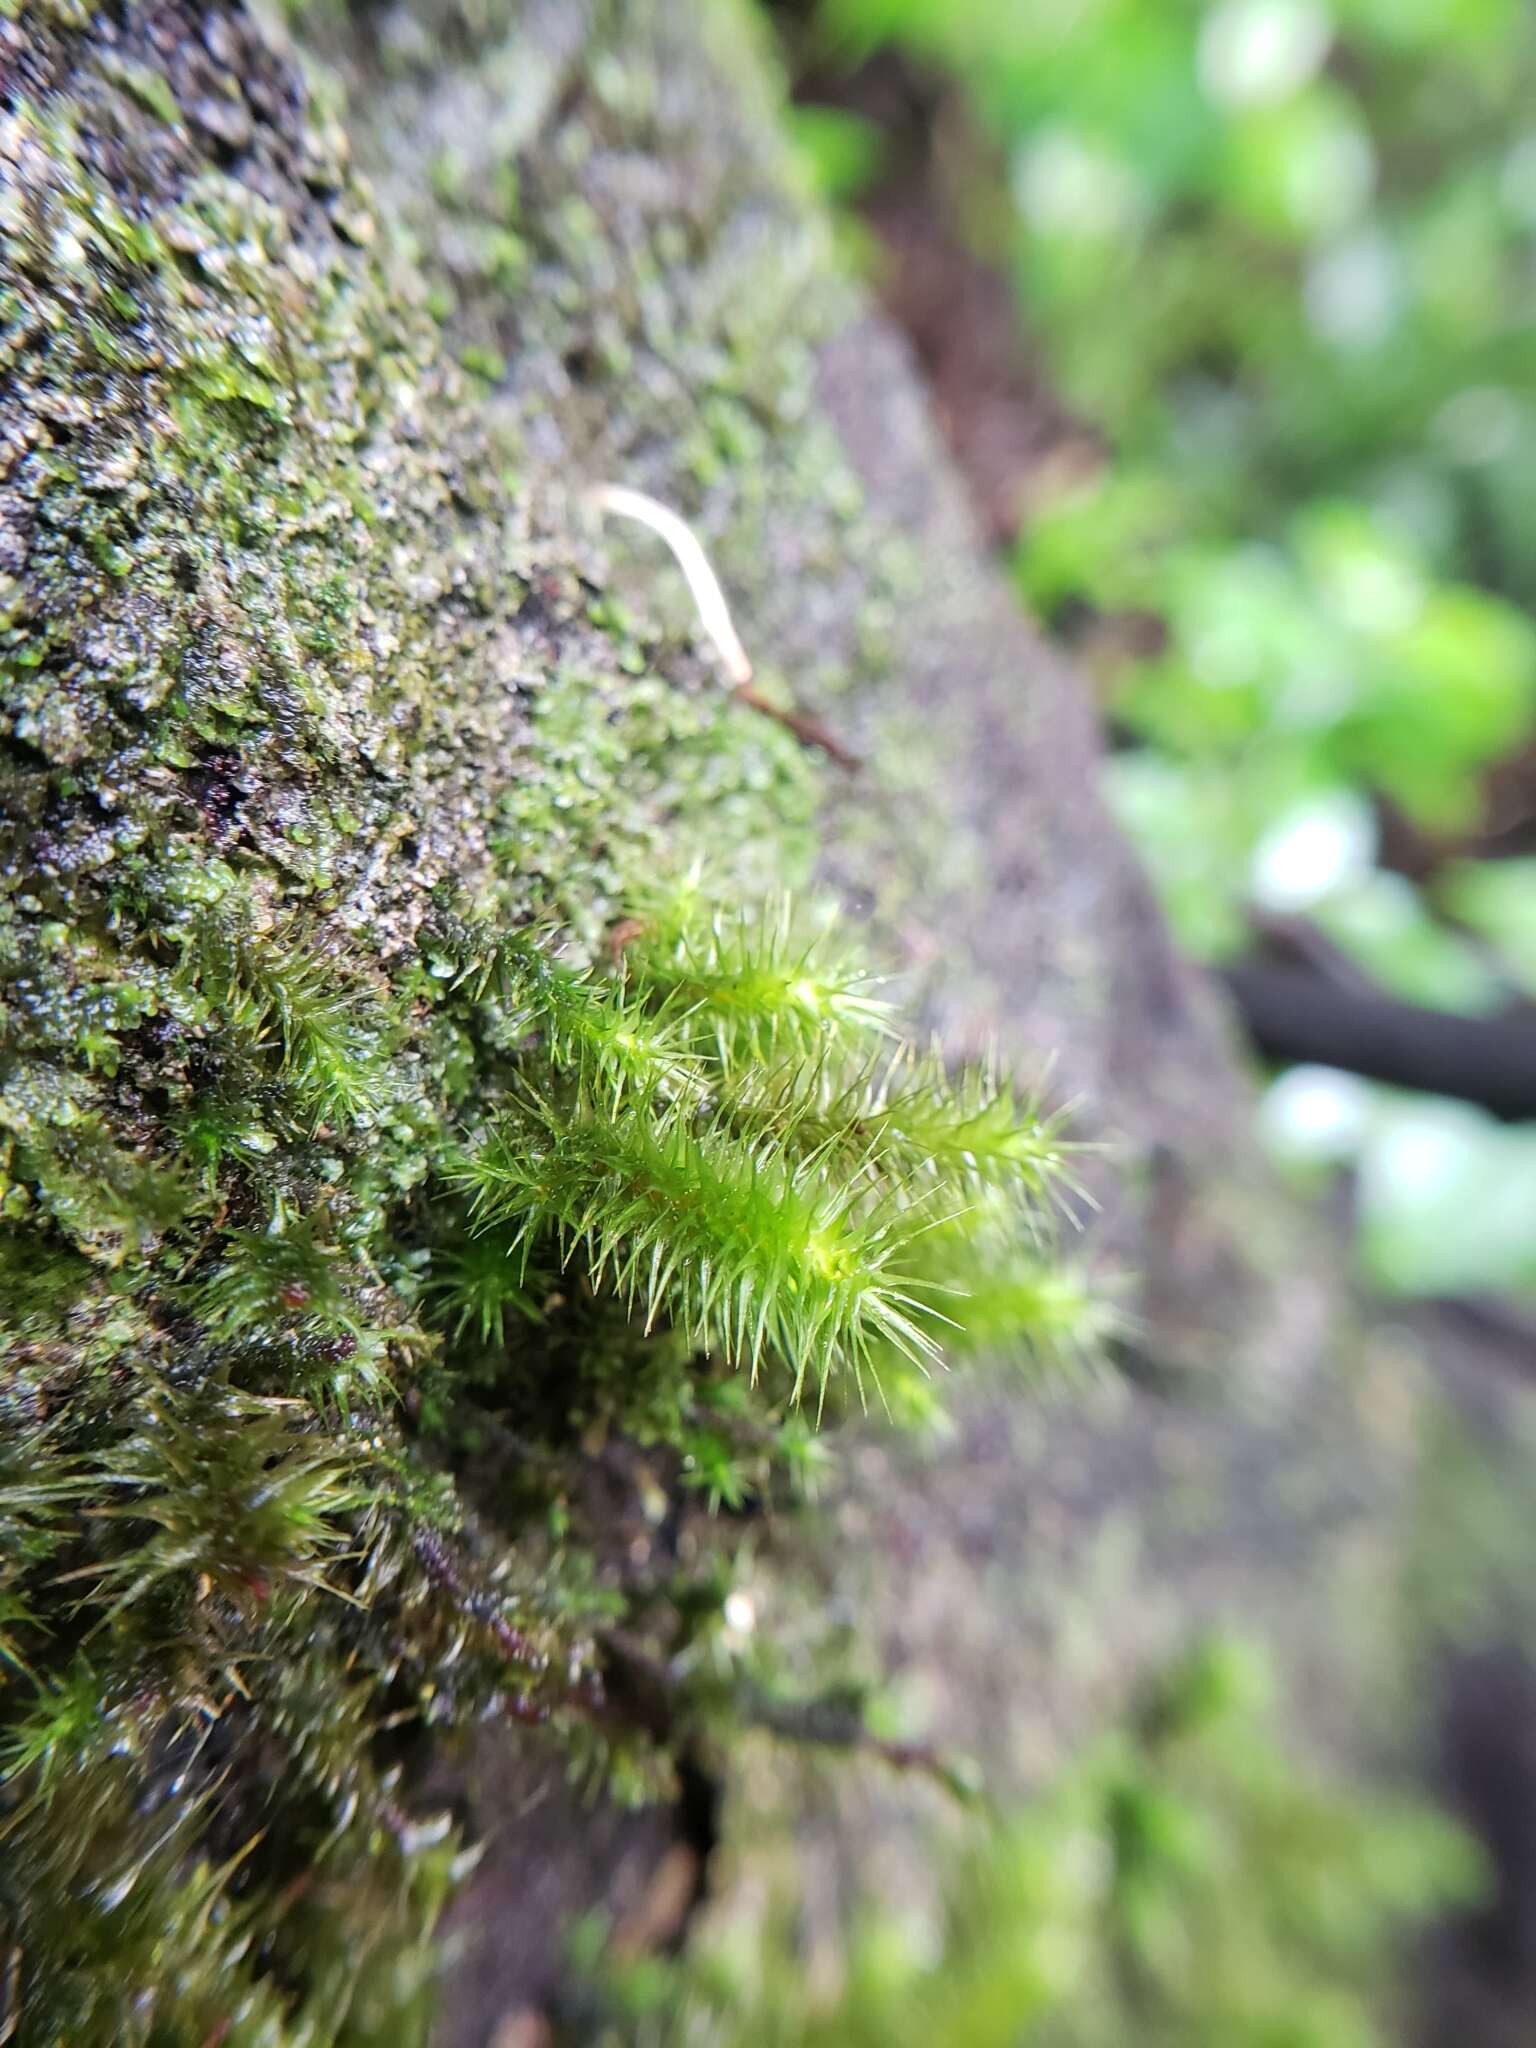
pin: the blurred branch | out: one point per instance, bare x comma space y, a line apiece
1295, 1013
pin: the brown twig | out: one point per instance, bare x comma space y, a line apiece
808, 730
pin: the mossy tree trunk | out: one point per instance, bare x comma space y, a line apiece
313, 337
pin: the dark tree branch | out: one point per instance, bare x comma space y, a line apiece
1293, 1013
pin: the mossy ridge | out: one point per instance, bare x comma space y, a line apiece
292, 682
251, 525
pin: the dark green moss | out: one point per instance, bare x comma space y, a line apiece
286, 664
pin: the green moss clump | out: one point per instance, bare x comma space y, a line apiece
375, 1131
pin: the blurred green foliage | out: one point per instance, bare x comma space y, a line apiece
1281, 256
1184, 1884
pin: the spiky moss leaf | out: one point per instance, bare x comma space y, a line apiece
753, 984
1011, 1288
265, 1277
750, 1249
971, 1127
144, 1558
140, 1937
586, 1025
975, 1126
236, 1498
279, 995
480, 1286
933, 1187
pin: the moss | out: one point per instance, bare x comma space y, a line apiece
303, 685
273, 630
